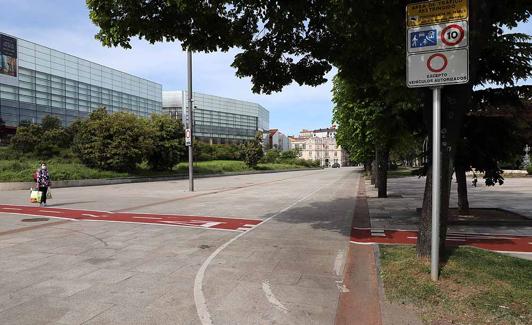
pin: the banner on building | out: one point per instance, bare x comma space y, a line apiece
8, 59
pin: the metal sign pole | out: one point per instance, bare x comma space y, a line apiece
190, 147
436, 176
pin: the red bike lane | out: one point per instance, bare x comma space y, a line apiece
493, 242
206, 222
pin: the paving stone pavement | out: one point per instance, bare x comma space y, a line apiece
286, 271
398, 211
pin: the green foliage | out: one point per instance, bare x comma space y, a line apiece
271, 156
117, 141
26, 138
167, 142
45, 140
529, 170
289, 154
204, 151
252, 151
4, 136
49, 123
290, 157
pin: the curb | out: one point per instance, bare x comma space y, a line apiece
14, 186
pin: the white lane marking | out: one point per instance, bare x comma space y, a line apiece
50, 211
341, 287
414, 237
210, 224
151, 218
90, 215
199, 297
517, 252
150, 224
266, 287
362, 243
23, 214
338, 262
13, 209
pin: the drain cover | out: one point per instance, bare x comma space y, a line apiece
35, 219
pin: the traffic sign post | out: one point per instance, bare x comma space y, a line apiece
437, 55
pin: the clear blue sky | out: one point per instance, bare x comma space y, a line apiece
64, 25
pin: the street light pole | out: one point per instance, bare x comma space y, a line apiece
436, 176
190, 125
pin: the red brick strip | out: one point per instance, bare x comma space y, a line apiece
361, 304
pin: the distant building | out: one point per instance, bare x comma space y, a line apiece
218, 120
36, 81
320, 145
275, 139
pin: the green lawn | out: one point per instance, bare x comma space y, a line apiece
61, 169
476, 286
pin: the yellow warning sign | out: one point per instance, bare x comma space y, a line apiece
435, 12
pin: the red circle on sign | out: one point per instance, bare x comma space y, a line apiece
432, 57
460, 38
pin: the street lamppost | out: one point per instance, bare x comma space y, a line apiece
188, 132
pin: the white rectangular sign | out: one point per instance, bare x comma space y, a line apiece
437, 37
438, 68
188, 137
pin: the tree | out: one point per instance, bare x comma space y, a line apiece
300, 40
271, 156
51, 123
252, 151
370, 128
493, 132
3, 131
168, 142
495, 57
45, 140
117, 141
26, 138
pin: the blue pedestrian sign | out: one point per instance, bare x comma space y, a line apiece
423, 38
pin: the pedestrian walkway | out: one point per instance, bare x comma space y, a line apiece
394, 220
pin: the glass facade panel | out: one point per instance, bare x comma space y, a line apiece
52, 82
218, 119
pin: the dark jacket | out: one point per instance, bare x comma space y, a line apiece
43, 178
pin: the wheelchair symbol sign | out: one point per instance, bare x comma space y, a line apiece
423, 38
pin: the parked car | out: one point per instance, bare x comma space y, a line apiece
336, 165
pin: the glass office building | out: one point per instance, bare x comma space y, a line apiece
36, 81
218, 119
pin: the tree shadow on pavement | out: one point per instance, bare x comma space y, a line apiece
335, 215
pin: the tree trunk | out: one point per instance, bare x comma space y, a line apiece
455, 100
373, 172
423, 245
446, 181
461, 180
382, 154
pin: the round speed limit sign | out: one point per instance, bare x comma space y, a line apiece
452, 35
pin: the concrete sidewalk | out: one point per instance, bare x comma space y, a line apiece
398, 211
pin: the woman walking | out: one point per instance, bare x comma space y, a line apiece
43, 182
